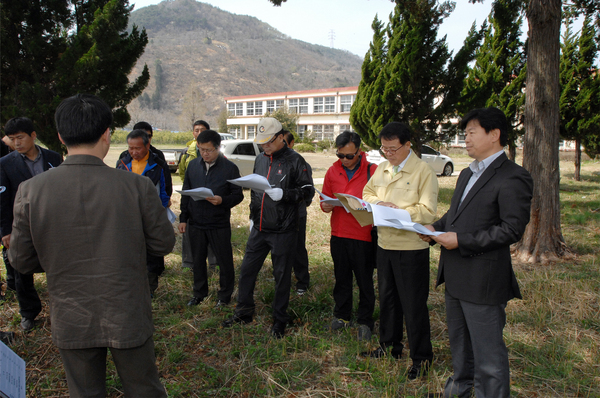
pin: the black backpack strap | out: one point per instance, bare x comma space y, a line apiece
369, 170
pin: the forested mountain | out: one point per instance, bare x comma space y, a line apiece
198, 54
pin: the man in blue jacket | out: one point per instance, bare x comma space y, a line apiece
141, 160
207, 221
26, 161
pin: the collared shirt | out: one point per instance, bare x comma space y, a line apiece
138, 166
350, 173
36, 166
478, 168
398, 168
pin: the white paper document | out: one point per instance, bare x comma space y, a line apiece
252, 181
12, 373
328, 199
172, 217
398, 218
198, 193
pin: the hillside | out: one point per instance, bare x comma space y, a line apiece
198, 54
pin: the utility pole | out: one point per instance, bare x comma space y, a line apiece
331, 37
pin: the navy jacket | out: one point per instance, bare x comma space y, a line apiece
155, 169
13, 171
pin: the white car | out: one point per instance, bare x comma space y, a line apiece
242, 153
226, 137
441, 164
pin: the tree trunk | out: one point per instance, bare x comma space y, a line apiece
577, 174
543, 240
512, 151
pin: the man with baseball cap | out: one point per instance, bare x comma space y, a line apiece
274, 214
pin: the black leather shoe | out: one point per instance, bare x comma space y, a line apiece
229, 322
195, 301
379, 353
278, 329
418, 369
27, 324
7, 337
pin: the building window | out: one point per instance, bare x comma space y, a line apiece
294, 105
273, 105
300, 130
328, 132
258, 108
344, 127
346, 102
250, 108
318, 131
318, 105
231, 109
303, 105
239, 109
234, 131
251, 130
329, 104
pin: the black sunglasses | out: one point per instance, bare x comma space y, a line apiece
349, 157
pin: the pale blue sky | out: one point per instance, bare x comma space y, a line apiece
350, 20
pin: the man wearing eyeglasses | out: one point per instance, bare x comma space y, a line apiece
351, 247
207, 222
274, 214
405, 182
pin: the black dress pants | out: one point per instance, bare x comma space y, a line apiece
353, 257
300, 264
283, 249
30, 304
220, 242
403, 277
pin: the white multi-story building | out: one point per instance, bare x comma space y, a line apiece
325, 112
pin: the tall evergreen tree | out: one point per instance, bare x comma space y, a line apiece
369, 97
54, 49
415, 79
580, 92
498, 75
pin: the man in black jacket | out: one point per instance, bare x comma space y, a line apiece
274, 215
26, 161
207, 221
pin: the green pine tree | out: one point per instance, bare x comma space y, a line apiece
580, 88
498, 75
411, 77
53, 50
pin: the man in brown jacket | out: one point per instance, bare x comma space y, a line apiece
89, 226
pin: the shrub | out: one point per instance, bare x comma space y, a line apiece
158, 138
304, 147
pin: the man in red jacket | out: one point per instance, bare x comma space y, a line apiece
351, 246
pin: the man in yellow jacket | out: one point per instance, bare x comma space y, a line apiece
404, 182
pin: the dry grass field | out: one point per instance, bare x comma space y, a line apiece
553, 334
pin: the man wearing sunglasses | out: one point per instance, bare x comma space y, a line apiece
350, 245
404, 182
274, 217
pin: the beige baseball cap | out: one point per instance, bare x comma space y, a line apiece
267, 128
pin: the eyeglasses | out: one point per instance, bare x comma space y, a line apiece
202, 150
349, 156
391, 151
271, 140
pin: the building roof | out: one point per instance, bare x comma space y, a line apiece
293, 93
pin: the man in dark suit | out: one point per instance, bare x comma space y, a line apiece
488, 212
26, 161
